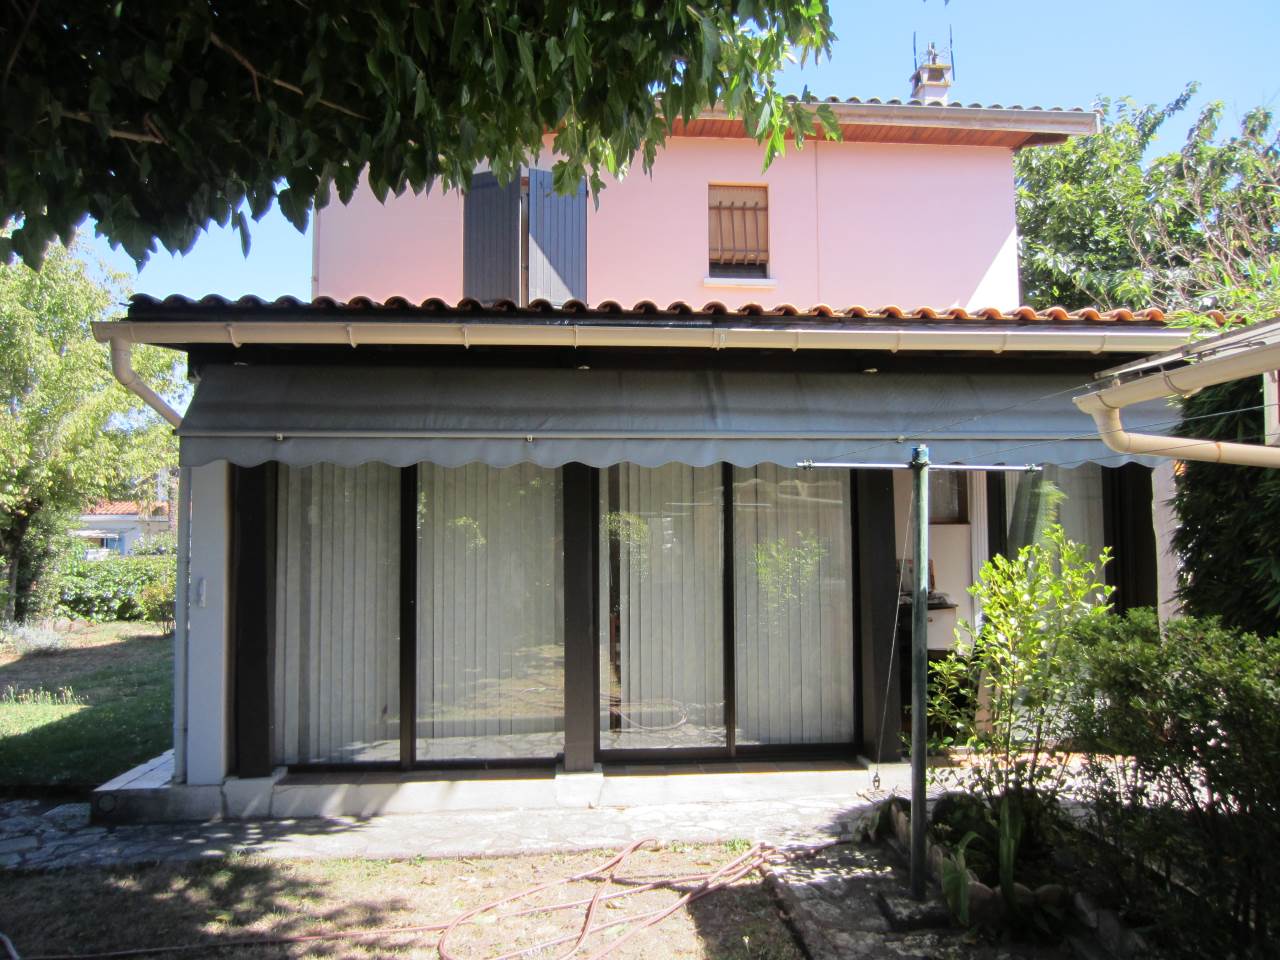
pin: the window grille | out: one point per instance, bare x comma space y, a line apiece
738, 221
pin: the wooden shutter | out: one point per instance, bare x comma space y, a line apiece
491, 240
738, 218
557, 241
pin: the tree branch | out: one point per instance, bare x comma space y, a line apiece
241, 59
113, 132
17, 44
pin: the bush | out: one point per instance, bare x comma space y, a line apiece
156, 601
157, 545
32, 639
110, 589
1181, 726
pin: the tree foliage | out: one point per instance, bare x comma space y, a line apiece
159, 119
1228, 537
69, 433
1186, 231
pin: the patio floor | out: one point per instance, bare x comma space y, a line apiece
694, 805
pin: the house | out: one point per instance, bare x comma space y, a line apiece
519, 488
115, 526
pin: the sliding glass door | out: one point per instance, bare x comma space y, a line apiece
661, 641
793, 605
490, 616
683, 600
337, 631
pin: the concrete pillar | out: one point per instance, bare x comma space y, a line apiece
208, 636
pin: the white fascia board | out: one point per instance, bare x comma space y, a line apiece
994, 339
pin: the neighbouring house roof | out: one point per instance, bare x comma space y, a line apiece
933, 122
126, 508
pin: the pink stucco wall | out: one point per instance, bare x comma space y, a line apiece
850, 223
409, 247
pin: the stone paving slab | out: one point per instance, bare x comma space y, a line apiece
851, 903
36, 835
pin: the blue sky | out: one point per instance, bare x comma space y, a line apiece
1044, 52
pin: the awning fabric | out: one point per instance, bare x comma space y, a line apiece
451, 416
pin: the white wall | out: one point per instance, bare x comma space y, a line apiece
208, 638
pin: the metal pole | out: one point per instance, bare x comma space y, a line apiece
919, 668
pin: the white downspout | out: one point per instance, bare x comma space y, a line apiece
1105, 405
122, 367
182, 605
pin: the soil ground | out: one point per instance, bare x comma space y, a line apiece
88, 910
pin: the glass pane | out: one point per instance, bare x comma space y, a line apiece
662, 607
337, 679
948, 497
1080, 509
490, 613
793, 605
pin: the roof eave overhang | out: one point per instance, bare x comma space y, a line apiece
1040, 126
644, 334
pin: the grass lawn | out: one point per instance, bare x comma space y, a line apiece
79, 716
213, 902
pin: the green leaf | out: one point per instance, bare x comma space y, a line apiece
525, 49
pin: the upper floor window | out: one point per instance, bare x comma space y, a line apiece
738, 218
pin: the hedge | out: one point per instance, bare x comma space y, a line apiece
111, 588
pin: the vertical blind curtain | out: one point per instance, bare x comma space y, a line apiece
490, 612
793, 598
1080, 511
662, 617
1069, 496
337, 602
738, 218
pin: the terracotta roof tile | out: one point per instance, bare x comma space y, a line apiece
125, 508
144, 308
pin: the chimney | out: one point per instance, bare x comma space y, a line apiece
932, 78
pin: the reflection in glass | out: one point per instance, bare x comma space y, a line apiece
793, 605
490, 613
337, 679
662, 607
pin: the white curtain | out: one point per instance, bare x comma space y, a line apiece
662, 607
337, 689
793, 604
490, 612
1080, 511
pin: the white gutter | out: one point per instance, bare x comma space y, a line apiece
1105, 405
124, 333
122, 367
796, 336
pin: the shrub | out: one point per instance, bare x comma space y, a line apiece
156, 601
33, 639
1004, 693
157, 545
111, 588
1004, 690
1181, 725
